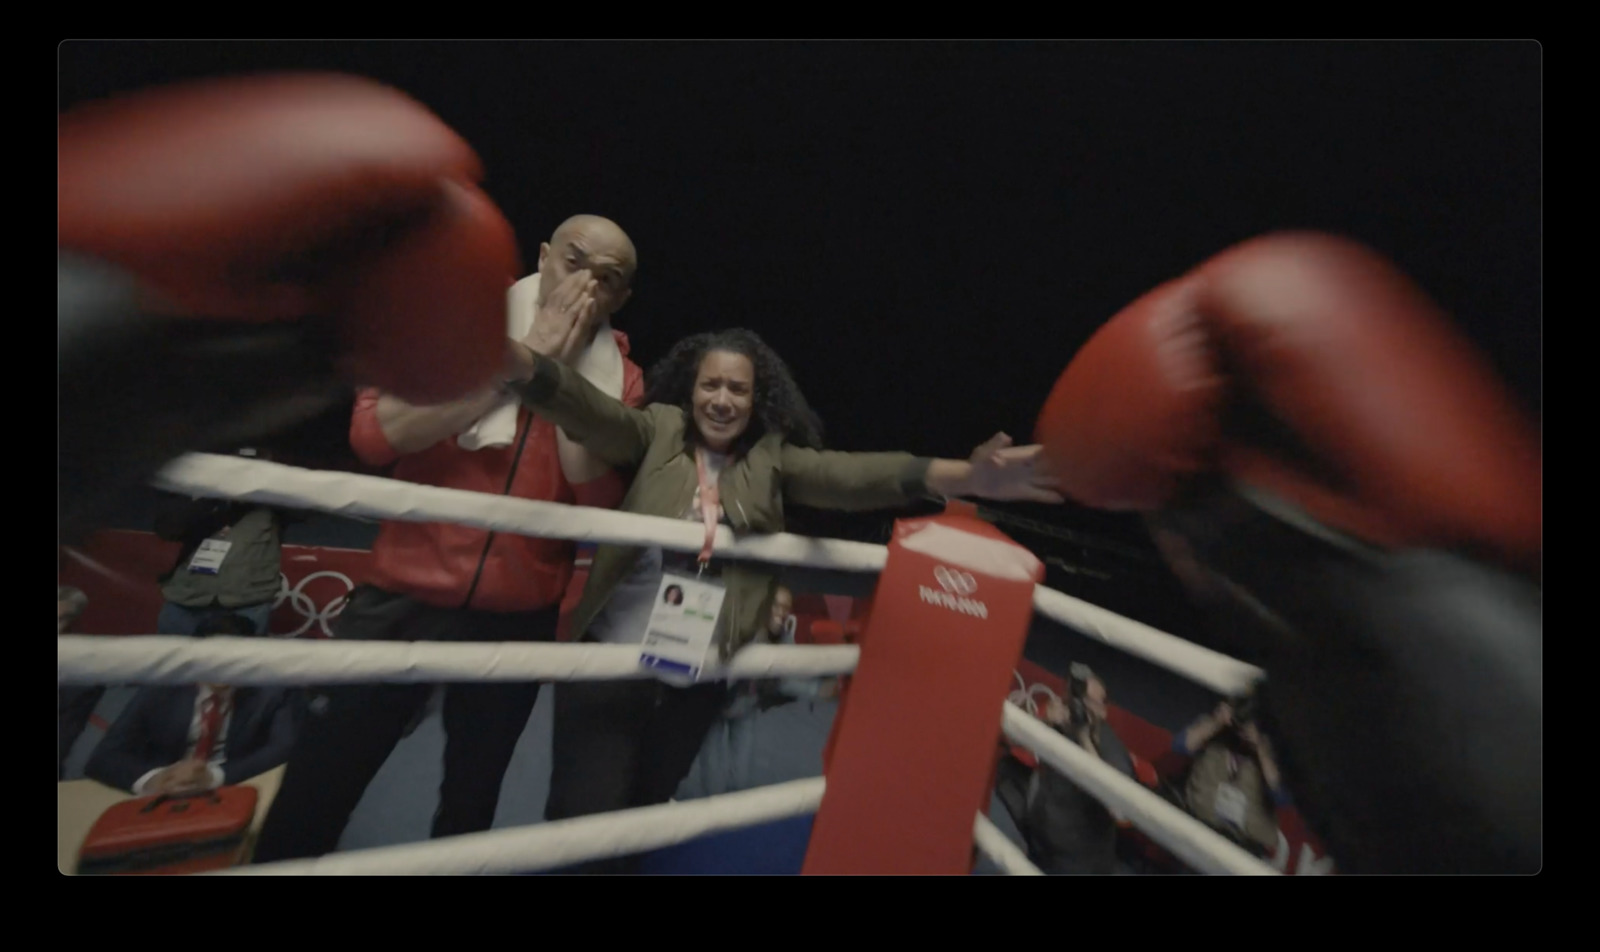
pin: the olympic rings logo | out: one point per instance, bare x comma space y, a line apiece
306, 607
1026, 695
953, 581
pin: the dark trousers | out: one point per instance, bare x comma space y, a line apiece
1086, 847
353, 728
622, 744
75, 704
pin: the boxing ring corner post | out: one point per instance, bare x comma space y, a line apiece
948, 622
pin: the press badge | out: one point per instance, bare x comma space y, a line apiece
683, 620
208, 558
1230, 805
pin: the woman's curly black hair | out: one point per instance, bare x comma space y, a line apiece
779, 406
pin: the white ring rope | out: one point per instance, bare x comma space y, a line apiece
349, 494
999, 848
563, 843
164, 659
1188, 839
370, 496
1222, 674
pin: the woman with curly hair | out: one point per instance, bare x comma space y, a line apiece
777, 406
726, 425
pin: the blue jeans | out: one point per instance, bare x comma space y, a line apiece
180, 620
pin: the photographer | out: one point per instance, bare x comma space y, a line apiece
1067, 829
1233, 784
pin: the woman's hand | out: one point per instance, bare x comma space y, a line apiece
1002, 471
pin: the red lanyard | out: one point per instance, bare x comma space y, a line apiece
710, 505
212, 710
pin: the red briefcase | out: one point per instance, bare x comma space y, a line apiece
171, 834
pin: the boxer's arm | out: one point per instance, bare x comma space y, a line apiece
1303, 418
409, 428
255, 274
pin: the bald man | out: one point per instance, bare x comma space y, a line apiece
439, 582
596, 247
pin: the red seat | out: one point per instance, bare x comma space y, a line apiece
1145, 772
825, 632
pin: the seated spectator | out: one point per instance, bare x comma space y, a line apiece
1233, 784
729, 749
747, 697
1069, 831
70, 605
75, 703
781, 628
229, 561
178, 740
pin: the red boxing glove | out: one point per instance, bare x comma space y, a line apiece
1347, 487
1306, 366
234, 254
297, 197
